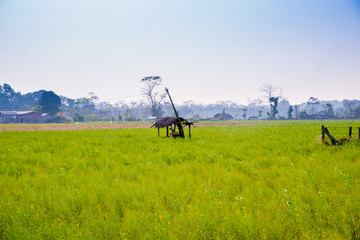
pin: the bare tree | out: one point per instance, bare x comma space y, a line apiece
154, 97
273, 94
256, 101
270, 90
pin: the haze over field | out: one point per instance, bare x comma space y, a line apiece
205, 50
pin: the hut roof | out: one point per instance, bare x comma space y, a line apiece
168, 121
221, 116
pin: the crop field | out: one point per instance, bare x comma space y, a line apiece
226, 182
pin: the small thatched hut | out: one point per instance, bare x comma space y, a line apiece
222, 116
172, 122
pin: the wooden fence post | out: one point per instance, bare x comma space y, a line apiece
323, 133
350, 132
333, 140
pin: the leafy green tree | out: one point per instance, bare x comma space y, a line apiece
328, 108
196, 117
58, 118
303, 115
357, 112
296, 108
339, 112
93, 117
244, 113
84, 103
349, 107
273, 107
273, 95
37, 108
50, 103
120, 117
78, 118
290, 111
312, 103
8, 98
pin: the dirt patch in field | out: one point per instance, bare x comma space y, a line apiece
240, 124
61, 127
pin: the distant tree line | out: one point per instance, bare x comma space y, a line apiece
271, 106
11, 100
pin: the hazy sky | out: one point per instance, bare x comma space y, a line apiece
205, 50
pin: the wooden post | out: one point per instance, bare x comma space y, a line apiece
181, 130
190, 131
359, 133
333, 140
322, 133
167, 131
350, 132
158, 132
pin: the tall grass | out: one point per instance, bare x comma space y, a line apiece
240, 182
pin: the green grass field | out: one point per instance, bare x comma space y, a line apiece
240, 182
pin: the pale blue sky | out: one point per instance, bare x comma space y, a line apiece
205, 50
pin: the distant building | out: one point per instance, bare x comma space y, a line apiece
20, 117
45, 117
9, 117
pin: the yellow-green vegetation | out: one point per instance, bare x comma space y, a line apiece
239, 182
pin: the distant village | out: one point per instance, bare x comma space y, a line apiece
47, 107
